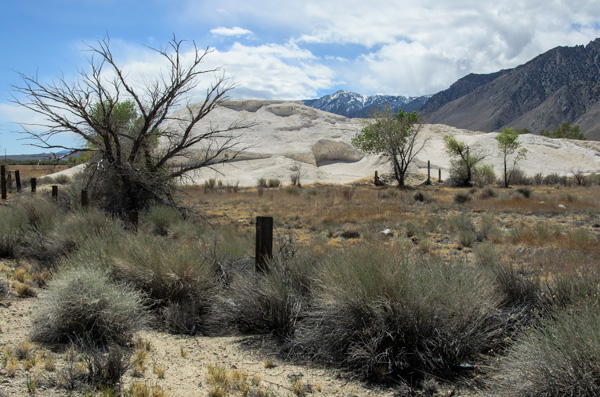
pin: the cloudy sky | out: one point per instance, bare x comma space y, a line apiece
288, 50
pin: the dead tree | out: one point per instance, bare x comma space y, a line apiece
136, 147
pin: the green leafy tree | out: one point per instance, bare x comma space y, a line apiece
121, 122
565, 130
463, 166
393, 136
510, 147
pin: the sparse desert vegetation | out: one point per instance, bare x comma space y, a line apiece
414, 291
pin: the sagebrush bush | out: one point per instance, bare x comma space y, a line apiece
422, 197
462, 197
558, 357
168, 272
274, 182
383, 316
84, 305
487, 192
161, 219
266, 302
3, 289
11, 230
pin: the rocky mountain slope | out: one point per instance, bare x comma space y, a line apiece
562, 84
350, 104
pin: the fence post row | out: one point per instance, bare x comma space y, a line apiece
85, 200
18, 180
264, 243
3, 181
428, 172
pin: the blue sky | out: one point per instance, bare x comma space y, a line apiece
288, 50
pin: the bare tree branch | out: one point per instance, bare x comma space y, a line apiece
138, 145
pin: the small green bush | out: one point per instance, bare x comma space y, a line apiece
173, 274
558, 357
525, 192
266, 302
487, 192
161, 219
62, 179
84, 305
273, 183
462, 197
262, 182
422, 197
388, 193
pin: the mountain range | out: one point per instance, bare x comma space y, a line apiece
562, 84
350, 104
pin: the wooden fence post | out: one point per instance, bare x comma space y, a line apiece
440, 175
54, 192
18, 180
85, 200
428, 172
3, 181
264, 243
33, 185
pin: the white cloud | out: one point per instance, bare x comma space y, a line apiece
432, 43
235, 31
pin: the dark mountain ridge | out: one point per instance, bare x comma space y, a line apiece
562, 84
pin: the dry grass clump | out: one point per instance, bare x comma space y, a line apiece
462, 197
175, 275
266, 302
558, 357
384, 316
84, 305
161, 220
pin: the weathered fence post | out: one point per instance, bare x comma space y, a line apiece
428, 172
54, 192
439, 175
85, 200
3, 181
33, 184
18, 180
264, 243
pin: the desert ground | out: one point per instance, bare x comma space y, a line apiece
534, 234
317, 218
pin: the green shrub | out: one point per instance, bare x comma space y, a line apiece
462, 197
388, 193
484, 175
460, 222
422, 197
558, 357
84, 305
11, 230
266, 302
488, 228
466, 238
487, 192
383, 316
62, 179
525, 192
172, 274
161, 219
272, 183
262, 182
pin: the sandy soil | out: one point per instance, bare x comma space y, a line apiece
185, 360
